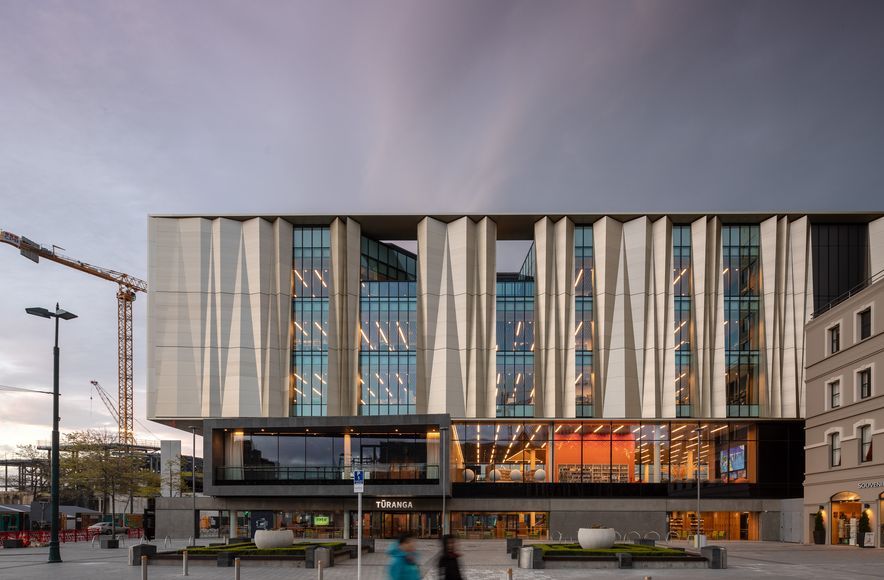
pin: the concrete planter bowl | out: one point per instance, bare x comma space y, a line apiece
595, 538
274, 538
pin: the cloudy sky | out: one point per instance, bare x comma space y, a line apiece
113, 110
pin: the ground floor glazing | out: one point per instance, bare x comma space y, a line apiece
472, 524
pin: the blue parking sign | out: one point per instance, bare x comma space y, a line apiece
358, 481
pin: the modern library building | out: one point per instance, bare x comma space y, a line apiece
628, 363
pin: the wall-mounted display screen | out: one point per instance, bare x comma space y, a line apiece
733, 459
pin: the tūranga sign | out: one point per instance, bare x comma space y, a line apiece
400, 504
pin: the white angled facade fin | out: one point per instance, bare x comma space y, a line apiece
456, 312
220, 304
708, 306
787, 295
658, 394
554, 355
343, 317
607, 236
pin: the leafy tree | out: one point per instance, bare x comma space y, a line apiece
94, 465
37, 480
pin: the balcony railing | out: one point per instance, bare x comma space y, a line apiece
327, 474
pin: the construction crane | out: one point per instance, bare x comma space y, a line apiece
108, 402
128, 287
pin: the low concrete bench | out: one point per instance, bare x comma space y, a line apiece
139, 550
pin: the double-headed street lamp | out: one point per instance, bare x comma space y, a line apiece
54, 552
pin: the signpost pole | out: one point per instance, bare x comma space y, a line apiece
358, 487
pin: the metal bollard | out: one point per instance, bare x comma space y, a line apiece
184, 563
319, 570
236, 569
144, 568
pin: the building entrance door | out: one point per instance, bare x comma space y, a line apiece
395, 524
391, 525
846, 511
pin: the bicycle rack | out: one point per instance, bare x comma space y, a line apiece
638, 536
653, 532
167, 542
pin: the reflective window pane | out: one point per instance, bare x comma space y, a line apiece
310, 279
741, 280
388, 330
584, 278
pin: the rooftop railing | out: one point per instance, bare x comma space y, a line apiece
852, 292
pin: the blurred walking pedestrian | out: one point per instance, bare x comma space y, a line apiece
449, 561
403, 560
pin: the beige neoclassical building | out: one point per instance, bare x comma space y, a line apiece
845, 415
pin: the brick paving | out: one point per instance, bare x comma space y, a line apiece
482, 560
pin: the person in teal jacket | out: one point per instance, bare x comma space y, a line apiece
403, 563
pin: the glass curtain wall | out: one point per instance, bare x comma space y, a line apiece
388, 330
515, 341
392, 454
583, 332
684, 327
741, 279
310, 278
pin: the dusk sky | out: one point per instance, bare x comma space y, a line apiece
110, 111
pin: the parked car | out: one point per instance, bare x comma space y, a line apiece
106, 528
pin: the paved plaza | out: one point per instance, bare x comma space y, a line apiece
482, 560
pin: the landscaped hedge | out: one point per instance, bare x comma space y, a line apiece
637, 551
250, 549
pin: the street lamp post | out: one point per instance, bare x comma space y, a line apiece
699, 540
54, 552
443, 468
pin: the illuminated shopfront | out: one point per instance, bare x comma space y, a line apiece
303, 524
603, 452
715, 525
846, 510
500, 525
